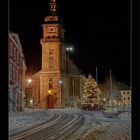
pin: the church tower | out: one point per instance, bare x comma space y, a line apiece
53, 63
58, 83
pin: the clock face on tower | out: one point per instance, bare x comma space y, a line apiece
51, 29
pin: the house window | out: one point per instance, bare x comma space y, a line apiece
18, 56
124, 98
128, 98
127, 92
123, 92
15, 52
11, 47
10, 72
13, 74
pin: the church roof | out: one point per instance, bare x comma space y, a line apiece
71, 67
36, 74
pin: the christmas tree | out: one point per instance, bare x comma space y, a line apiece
91, 95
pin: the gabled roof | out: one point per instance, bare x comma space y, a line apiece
36, 74
16, 40
71, 67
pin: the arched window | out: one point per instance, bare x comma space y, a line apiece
51, 58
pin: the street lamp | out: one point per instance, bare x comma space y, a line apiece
29, 81
60, 82
69, 49
49, 91
31, 101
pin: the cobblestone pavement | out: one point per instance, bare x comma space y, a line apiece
117, 131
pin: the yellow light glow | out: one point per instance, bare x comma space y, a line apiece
49, 91
29, 80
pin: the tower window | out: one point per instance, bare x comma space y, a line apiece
51, 52
50, 84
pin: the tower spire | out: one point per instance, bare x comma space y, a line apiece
53, 7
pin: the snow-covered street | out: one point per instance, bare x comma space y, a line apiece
22, 120
95, 127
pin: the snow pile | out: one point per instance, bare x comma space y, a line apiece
125, 116
94, 132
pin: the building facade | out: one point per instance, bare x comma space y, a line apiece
17, 68
58, 83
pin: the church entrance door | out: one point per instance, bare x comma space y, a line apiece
50, 101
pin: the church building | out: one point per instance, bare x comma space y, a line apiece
59, 82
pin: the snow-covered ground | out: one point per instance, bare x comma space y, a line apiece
22, 120
97, 126
103, 128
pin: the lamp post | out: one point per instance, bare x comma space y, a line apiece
60, 82
69, 49
29, 88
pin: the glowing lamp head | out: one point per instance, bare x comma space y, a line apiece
31, 101
49, 92
60, 82
29, 80
71, 48
67, 49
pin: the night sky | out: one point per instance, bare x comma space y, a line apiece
98, 30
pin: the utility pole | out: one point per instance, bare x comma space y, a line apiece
73, 91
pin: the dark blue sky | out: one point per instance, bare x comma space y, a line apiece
98, 30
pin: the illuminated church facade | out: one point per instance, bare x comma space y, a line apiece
59, 82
